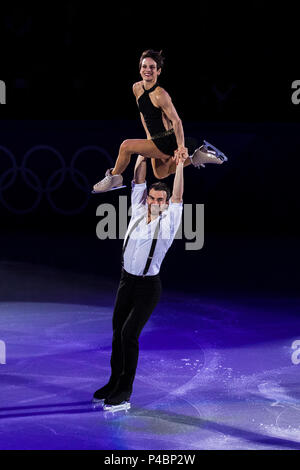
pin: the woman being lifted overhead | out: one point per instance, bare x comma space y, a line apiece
165, 141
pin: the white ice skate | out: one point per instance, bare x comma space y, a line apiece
207, 153
217, 152
109, 183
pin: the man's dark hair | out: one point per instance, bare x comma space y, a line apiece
159, 186
157, 56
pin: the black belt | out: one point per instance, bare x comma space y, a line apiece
162, 134
153, 245
134, 276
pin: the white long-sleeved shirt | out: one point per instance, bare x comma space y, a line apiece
139, 243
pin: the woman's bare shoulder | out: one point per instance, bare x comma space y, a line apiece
137, 88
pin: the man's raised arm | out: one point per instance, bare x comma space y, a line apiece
140, 169
178, 180
139, 186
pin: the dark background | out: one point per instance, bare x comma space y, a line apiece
69, 69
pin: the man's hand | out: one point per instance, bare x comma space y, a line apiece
181, 154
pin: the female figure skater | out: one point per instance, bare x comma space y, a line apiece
165, 136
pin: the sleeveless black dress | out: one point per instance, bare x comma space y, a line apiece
165, 140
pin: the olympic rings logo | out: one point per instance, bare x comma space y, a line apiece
55, 180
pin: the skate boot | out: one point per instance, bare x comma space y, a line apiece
109, 183
117, 401
104, 392
207, 153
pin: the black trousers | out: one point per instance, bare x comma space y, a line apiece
136, 299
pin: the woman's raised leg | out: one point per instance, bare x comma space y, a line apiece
164, 168
144, 147
113, 177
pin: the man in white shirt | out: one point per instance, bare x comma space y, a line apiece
154, 223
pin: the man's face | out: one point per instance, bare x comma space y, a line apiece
157, 202
149, 70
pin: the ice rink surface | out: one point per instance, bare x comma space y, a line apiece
215, 371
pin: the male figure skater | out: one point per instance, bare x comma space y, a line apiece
154, 223
165, 136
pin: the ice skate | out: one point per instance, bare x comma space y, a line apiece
207, 153
117, 401
104, 392
216, 151
109, 183
123, 406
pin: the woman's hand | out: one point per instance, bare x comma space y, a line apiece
181, 154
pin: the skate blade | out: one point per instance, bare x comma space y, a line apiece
125, 405
96, 403
112, 189
200, 166
218, 152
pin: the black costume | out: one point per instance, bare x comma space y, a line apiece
165, 140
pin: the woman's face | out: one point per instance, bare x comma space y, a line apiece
148, 71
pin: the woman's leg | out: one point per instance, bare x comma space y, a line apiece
113, 177
162, 164
164, 168
143, 147
200, 157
